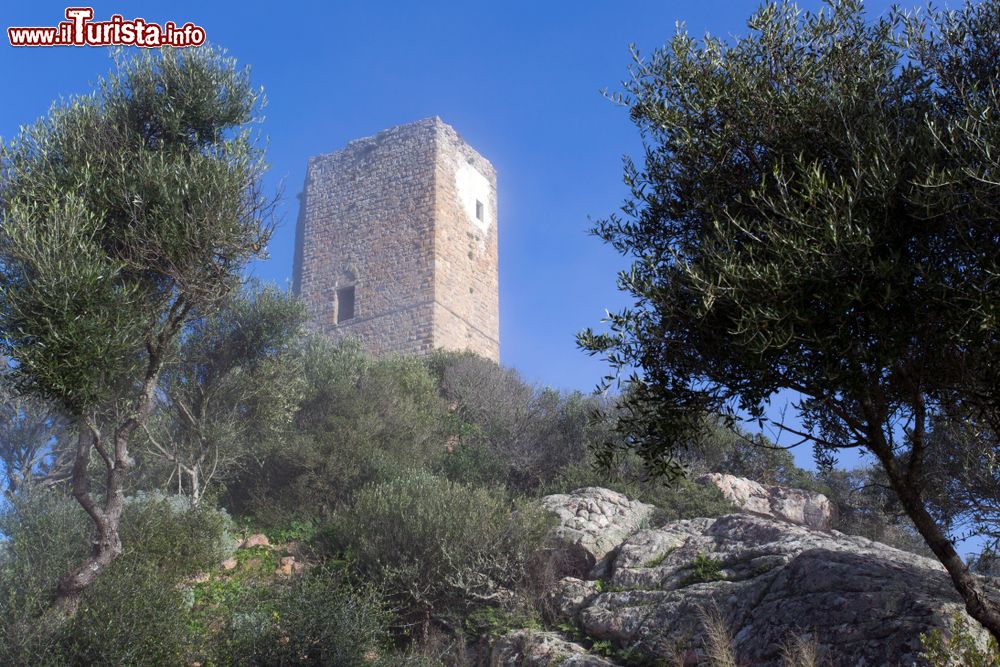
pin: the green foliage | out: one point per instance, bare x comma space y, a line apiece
296, 531
34, 437
231, 603
658, 560
506, 426
124, 214
440, 548
820, 254
816, 215
703, 569
318, 620
136, 613
164, 530
122, 211
963, 474
731, 450
360, 420
473, 463
494, 623
959, 646
231, 394
45, 533
865, 505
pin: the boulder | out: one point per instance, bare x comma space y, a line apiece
572, 595
591, 522
255, 540
286, 565
865, 603
532, 648
806, 508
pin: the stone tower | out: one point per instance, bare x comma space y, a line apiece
396, 243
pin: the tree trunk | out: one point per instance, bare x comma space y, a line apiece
107, 544
106, 547
977, 603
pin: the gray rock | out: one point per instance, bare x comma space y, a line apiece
571, 595
530, 648
592, 522
806, 508
864, 602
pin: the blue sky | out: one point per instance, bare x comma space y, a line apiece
520, 81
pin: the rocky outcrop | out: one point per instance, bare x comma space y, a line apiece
532, 648
865, 603
592, 522
806, 508
773, 574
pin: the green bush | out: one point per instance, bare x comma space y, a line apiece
440, 548
529, 432
167, 532
135, 612
318, 620
734, 452
703, 569
359, 418
46, 535
866, 505
473, 463
960, 646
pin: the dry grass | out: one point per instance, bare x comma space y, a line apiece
718, 639
801, 651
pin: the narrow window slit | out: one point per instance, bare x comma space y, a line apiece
345, 304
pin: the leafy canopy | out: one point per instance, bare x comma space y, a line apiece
816, 212
122, 210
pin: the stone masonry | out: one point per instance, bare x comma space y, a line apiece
396, 243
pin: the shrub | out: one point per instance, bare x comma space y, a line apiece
440, 548
473, 463
46, 535
135, 612
359, 417
730, 450
532, 432
318, 620
959, 646
866, 505
167, 532
703, 569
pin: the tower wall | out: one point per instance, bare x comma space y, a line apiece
407, 218
466, 314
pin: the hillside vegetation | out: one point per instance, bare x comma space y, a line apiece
401, 489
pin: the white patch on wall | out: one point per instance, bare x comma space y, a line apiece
474, 194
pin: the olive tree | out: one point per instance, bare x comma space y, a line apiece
817, 214
123, 214
233, 388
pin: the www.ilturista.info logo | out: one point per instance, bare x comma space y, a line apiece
79, 30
